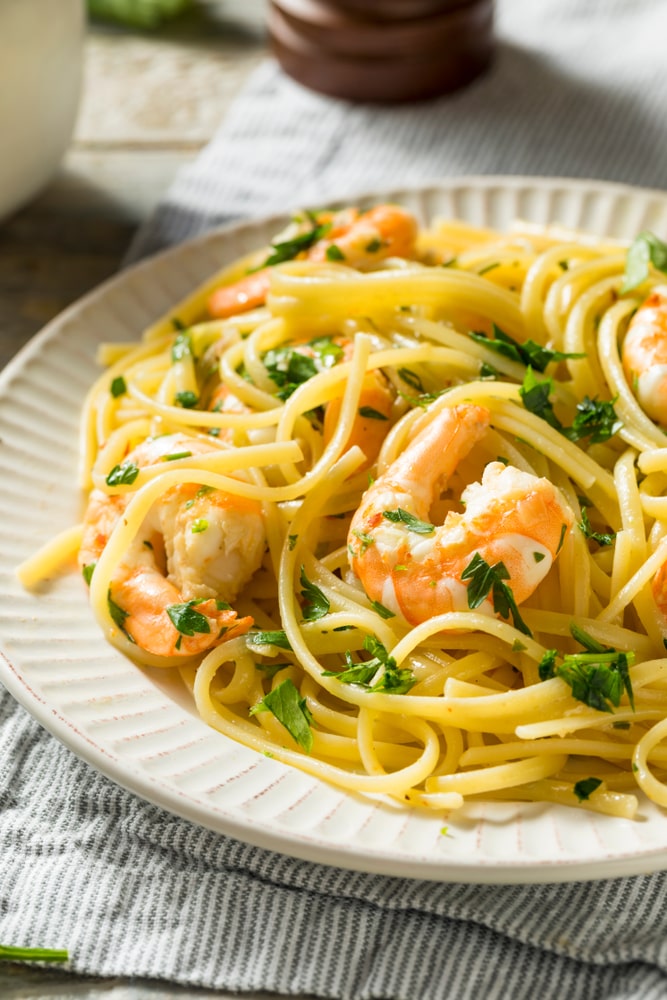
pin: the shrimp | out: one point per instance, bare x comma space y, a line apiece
194, 552
510, 517
358, 239
645, 355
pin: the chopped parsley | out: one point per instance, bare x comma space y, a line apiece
88, 571
595, 419
485, 580
291, 541
647, 249
393, 680
526, 353
187, 399
289, 369
273, 638
118, 615
199, 525
334, 253
123, 474
412, 523
381, 610
365, 540
585, 788
368, 411
602, 538
374, 245
597, 676
187, 620
291, 710
315, 603
182, 346
175, 455
118, 386
411, 378
289, 249
202, 491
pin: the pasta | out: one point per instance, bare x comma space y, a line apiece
276, 473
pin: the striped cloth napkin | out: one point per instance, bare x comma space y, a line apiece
577, 89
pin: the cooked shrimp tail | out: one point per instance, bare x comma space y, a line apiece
418, 569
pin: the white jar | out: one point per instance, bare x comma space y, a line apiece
41, 43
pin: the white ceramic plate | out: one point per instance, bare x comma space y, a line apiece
138, 727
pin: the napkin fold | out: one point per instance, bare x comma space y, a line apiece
576, 89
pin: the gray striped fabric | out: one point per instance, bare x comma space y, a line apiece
578, 88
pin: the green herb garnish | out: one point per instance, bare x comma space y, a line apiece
123, 474
484, 580
647, 249
368, 411
585, 788
315, 603
334, 253
289, 249
273, 638
88, 571
393, 680
291, 710
182, 346
412, 523
597, 677
118, 387
602, 538
187, 399
526, 353
187, 620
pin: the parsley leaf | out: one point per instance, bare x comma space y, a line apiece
316, 604
526, 353
393, 680
182, 346
585, 788
291, 710
88, 571
271, 669
647, 249
485, 579
118, 615
594, 419
118, 387
535, 397
411, 378
187, 620
289, 249
368, 411
334, 253
276, 638
123, 474
382, 611
412, 523
187, 399
597, 677
288, 369
327, 351
602, 538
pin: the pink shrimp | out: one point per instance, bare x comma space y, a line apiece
416, 569
645, 355
358, 239
194, 552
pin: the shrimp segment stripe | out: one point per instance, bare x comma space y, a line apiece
476, 720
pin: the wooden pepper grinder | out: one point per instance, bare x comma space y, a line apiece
382, 50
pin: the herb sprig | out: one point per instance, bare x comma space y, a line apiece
291, 710
526, 353
484, 580
393, 680
597, 676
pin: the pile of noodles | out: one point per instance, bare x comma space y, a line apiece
475, 719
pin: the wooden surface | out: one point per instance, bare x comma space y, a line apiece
150, 101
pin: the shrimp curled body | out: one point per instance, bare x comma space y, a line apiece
511, 517
196, 546
645, 355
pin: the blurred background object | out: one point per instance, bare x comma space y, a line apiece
383, 51
137, 13
40, 74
